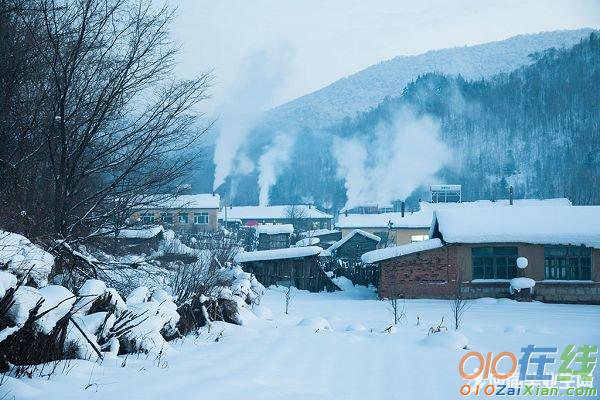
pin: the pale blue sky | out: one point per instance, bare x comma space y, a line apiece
314, 42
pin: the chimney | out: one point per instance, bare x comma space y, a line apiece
309, 205
510, 195
213, 193
402, 209
346, 213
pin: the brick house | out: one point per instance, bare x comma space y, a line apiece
191, 213
561, 244
303, 217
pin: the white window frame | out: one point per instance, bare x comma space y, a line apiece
202, 215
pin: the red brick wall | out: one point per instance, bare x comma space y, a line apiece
430, 274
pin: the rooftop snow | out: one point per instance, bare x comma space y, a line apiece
269, 229
141, 233
397, 251
566, 225
350, 236
319, 232
279, 254
419, 219
561, 201
203, 200
272, 212
309, 241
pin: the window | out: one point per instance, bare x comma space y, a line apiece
418, 238
494, 262
201, 218
568, 262
183, 218
148, 218
166, 218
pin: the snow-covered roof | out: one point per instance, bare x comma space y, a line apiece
397, 251
272, 212
419, 219
141, 233
319, 232
560, 201
278, 254
202, 200
351, 235
271, 229
309, 241
566, 225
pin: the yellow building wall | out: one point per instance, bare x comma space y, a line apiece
401, 235
213, 218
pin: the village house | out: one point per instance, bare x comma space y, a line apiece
303, 217
475, 251
191, 213
407, 227
353, 245
270, 237
296, 266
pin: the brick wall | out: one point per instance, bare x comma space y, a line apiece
428, 274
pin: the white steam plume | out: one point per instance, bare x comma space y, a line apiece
271, 164
397, 159
262, 76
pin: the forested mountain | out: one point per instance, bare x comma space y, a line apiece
365, 89
537, 128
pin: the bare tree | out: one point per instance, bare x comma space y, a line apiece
399, 312
288, 295
458, 305
111, 127
298, 218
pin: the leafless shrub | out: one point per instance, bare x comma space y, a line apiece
399, 312
436, 329
458, 305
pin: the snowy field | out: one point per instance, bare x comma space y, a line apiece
356, 359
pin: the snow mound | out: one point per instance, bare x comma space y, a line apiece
58, 301
356, 328
7, 281
449, 340
315, 323
138, 295
89, 291
262, 312
23, 257
516, 284
486, 300
25, 299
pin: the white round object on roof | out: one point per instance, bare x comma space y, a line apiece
522, 262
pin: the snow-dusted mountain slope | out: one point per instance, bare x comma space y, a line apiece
367, 88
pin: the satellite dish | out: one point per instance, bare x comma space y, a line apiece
522, 262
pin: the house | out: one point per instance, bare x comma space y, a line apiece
407, 227
191, 213
303, 217
353, 245
142, 239
475, 251
392, 228
270, 237
296, 266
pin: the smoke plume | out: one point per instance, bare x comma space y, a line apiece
271, 164
391, 163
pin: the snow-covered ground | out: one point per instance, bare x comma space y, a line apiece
356, 359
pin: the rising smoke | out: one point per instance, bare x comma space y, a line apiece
271, 164
262, 76
392, 162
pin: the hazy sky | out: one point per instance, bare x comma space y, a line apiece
315, 42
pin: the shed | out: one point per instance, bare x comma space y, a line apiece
296, 266
272, 237
353, 245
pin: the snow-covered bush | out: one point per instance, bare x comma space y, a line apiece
23, 258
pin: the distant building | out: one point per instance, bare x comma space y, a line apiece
321, 237
270, 237
402, 228
353, 245
303, 217
445, 193
475, 250
296, 266
191, 213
